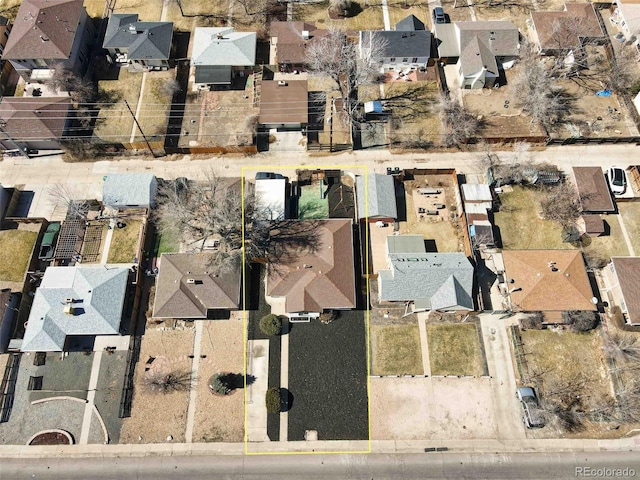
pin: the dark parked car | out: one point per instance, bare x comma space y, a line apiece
439, 16
48, 245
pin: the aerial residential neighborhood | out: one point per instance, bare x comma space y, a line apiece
236, 228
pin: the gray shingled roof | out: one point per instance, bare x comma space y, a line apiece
129, 189
410, 23
381, 196
233, 48
476, 56
143, 40
98, 295
433, 281
401, 43
501, 37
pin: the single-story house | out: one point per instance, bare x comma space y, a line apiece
622, 277
129, 190
313, 280
34, 123
565, 31
46, 33
428, 281
221, 54
73, 302
289, 42
547, 281
480, 48
144, 46
284, 104
271, 198
402, 48
593, 190
376, 198
189, 287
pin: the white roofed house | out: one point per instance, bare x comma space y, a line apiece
129, 190
74, 302
220, 55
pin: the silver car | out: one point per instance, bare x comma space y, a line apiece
532, 414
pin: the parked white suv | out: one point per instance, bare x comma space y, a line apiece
617, 179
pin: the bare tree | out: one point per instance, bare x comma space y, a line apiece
63, 195
561, 204
460, 124
65, 80
535, 91
622, 347
338, 57
163, 382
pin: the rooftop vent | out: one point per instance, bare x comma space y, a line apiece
69, 310
219, 36
282, 83
305, 34
68, 300
191, 281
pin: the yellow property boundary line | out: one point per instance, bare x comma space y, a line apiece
367, 318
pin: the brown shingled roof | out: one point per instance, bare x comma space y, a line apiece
628, 273
29, 119
290, 46
318, 280
593, 190
44, 29
178, 298
288, 103
576, 16
545, 286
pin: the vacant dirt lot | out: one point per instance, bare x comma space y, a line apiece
155, 416
431, 409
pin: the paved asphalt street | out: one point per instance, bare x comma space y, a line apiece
343, 467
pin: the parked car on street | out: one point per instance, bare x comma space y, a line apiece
617, 179
532, 415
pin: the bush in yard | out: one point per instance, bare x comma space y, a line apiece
271, 324
581, 320
220, 384
273, 400
532, 321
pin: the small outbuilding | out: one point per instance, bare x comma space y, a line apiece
129, 190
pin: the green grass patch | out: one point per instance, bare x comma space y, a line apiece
396, 350
124, 242
311, 205
15, 252
454, 349
168, 243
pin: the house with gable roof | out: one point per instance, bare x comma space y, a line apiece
288, 44
75, 302
221, 54
481, 49
143, 46
38, 124
426, 281
190, 287
313, 280
46, 33
406, 47
376, 198
129, 190
622, 277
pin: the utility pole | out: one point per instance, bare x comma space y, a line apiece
333, 104
140, 128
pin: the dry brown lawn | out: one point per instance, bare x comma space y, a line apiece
521, 227
154, 415
124, 243
16, 247
568, 361
630, 212
220, 419
156, 103
370, 18
454, 349
396, 350
399, 9
115, 122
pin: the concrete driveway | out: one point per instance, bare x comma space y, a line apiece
502, 382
